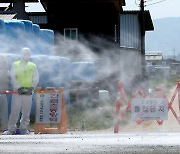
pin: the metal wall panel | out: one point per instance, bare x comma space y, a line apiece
130, 62
130, 31
39, 19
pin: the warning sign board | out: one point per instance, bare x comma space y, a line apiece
48, 108
149, 108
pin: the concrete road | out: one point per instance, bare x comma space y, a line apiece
88, 142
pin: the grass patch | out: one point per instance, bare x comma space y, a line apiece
97, 118
165, 84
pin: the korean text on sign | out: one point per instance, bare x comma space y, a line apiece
149, 109
48, 108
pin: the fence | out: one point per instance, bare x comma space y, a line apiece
158, 99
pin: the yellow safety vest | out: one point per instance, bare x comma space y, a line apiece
24, 73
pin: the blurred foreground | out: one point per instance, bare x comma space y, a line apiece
91, 142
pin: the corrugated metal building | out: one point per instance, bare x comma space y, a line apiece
89, 17
131, 56
154, 58
18, 7
130, 33
130, 28
39, 18
130, 38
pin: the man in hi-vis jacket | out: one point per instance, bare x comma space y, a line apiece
24, 78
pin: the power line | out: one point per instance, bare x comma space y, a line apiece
156, 2
137, 3
153, 6
148, 1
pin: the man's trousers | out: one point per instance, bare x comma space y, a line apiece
20, 103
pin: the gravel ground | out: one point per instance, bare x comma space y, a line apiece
88, 142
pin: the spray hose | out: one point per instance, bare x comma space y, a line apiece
10, 92
24, 90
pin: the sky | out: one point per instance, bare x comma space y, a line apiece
162, 8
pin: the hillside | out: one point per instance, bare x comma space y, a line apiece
165, 37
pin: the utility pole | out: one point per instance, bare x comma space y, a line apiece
145, 83
142, 36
